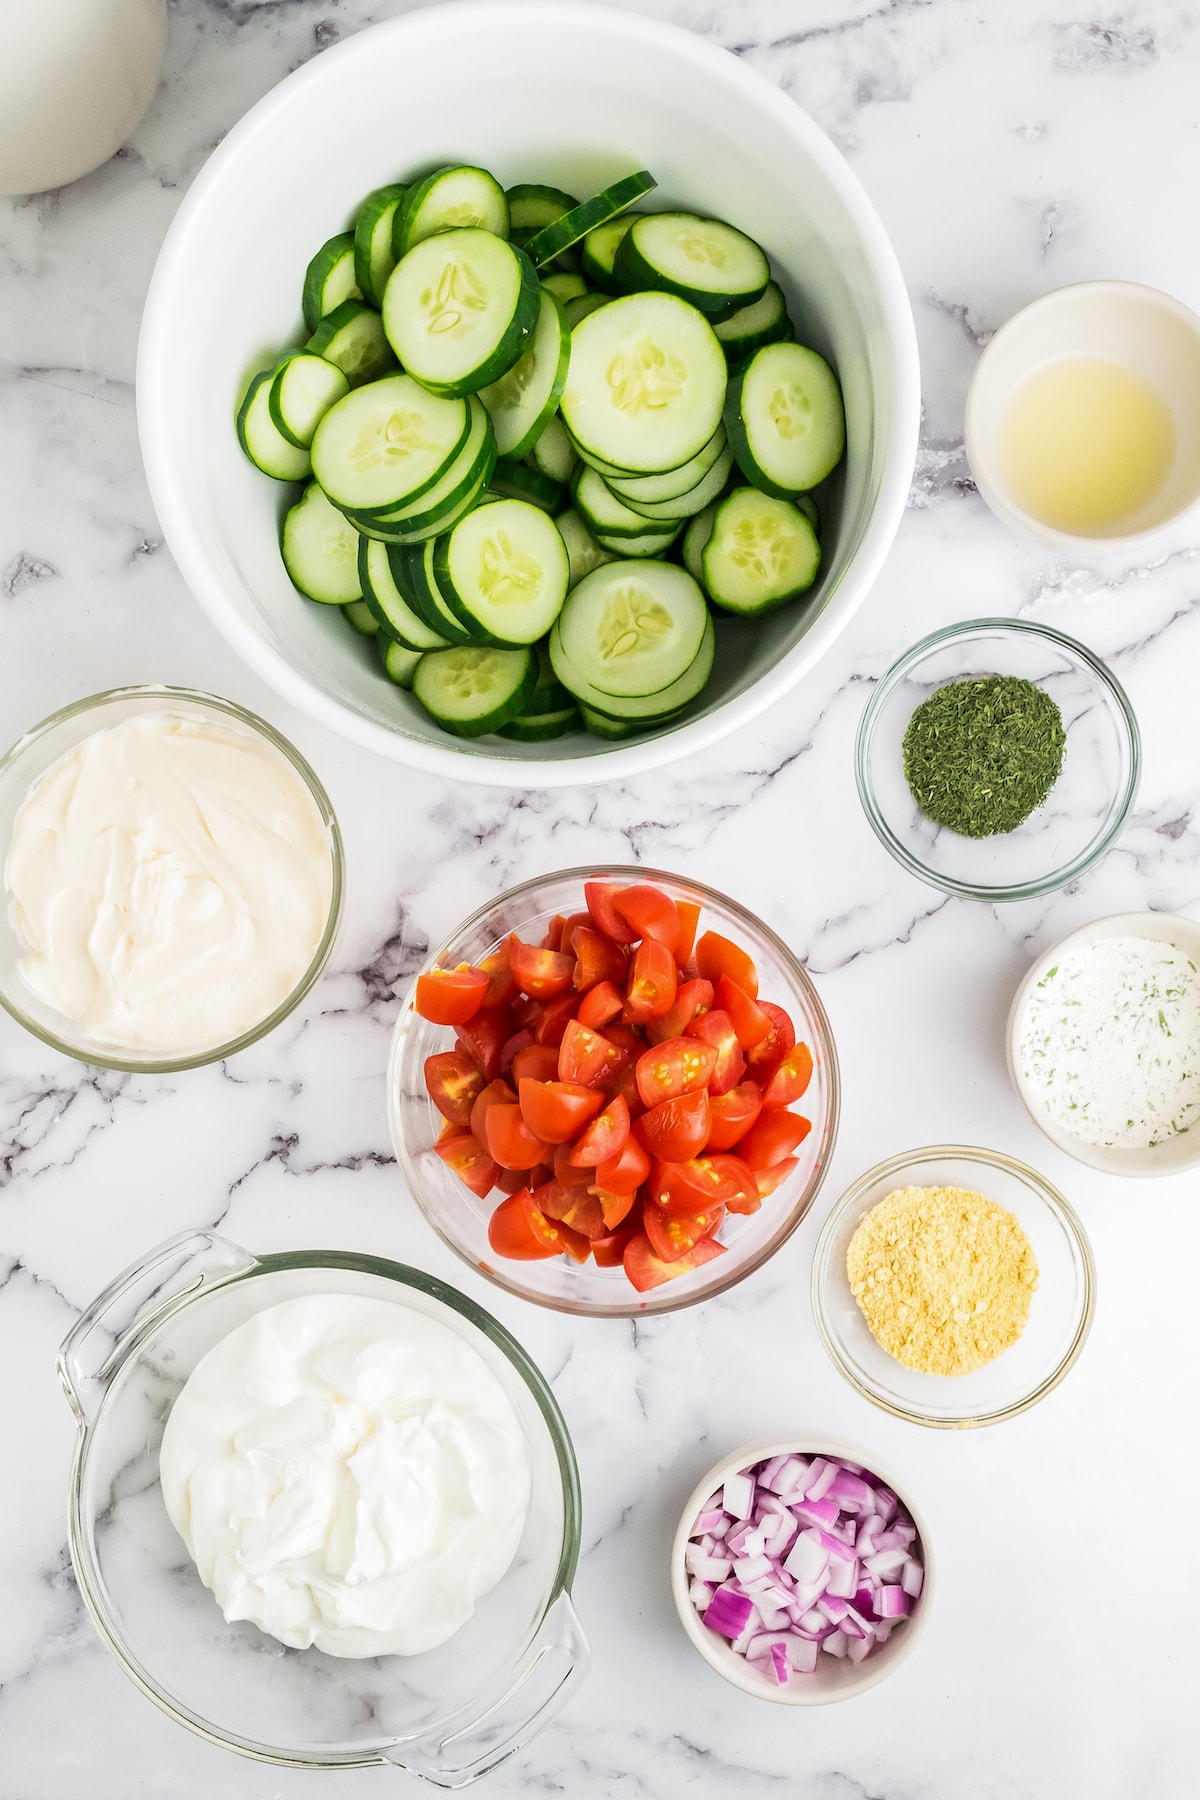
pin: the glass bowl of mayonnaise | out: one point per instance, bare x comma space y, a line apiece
324, 1510
173, 878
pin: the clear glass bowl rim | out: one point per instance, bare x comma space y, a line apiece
1024, 890
167, 1065
913, 1159
655, 1300
92, 1586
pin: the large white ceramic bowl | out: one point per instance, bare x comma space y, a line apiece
545, 90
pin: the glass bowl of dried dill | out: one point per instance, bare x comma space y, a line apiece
998, 759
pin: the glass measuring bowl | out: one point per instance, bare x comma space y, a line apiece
448, 1715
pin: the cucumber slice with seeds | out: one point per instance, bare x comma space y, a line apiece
261, 438
599, 252
504, 571
329, 279
302, 391
785, 419
522, 402
704, 261
352, 337
635, 489
460, 309
553, 453
583, 552
684, 506
764, 321
650, 708
434, 506
381, 572
453, 198
531, 205
320, 550
552, 239
374, 257
360, 618
388, 443
632, 628
761, 552
400, 663
472, 690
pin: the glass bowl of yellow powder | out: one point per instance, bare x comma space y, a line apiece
953, 1286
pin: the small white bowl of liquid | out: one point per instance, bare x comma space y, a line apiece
1083, 418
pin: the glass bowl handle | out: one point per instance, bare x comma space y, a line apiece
460, 1751
137, 1299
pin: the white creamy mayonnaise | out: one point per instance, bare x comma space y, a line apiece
346, 1473
170, 879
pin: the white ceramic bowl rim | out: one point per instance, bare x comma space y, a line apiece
154, 392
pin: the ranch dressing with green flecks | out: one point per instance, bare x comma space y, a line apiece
1110, 1042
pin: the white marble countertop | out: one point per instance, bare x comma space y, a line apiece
1010, 146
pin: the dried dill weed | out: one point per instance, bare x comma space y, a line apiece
981, 755
943, 1276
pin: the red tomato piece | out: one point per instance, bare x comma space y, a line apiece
680, 1066
691, 998
511, 1181
573, 1243
750, 1022
453, 1083
650, 913
574, 1207
535, 1062
520, 1040
773, 1136
717, 956
766, 1056
769, 1179
703, 1183
597, 959
496, 1093
501, 987
626, 1037
570, 927
733, 1114
576, 1246
451, 996
689, 920
674, 1234
625, 1172
554, 933
510, 1141
617, 1208
653, 981
609, 1251
512, 1232
556, 1015
566, 1172
542, 974
716, 1028
599, 896
469, 1161
605, 1137
677, 1129
588, 1056
557, 1111
483, 1038
600, 1005
646, 1270
790, 1077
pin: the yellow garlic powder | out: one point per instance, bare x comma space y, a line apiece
944, 1278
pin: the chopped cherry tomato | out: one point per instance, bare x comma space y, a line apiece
519, 1040
672, 1234
705, 1182
650, 914
501, 988
625, 1037
733, 1114
577, 1247
512, 1230
689, 919
599, 896
453, 1083
483, 1038
542, 974
605, 1137
790, 1077
597, 959
496, 1093
691, 998
554, 933
557, 1111
751, 1023
624, 1173
574, 1207
586, 1056
570, 927
716, 1028
680, 1066
600, 1005
773, 1136
469, 1161
646, 1270
765, 1056
555, 1017
510, 1140
652, 982
716, 956
675, 1130
535, 1062
615, 1207
451, 996
510, 1181
527, 1013
609, 1250
769, 1179
448, 1131
568, 1173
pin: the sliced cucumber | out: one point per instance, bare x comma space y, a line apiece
539, 727
523, 401
554, 453
685, 506
504, 570
360, 618
374, 257
472, 690
654, 543
632, 628
785, 419
387, 444
762, 551
518, 481
552, 239
320, 550
262, 439
764, 321
583, 552
650, 708
811, 510
530, 206
636, 489
401, 663
352, 337
599, 252
462, 480
694, 539
381, 571
583, 306
302, 392
599, 726
565, 287
329, 279
450, 199
704, 261
419, 585
601, 511
549, 695
460, 309
646, 383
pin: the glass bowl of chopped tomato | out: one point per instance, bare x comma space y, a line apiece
613, 1091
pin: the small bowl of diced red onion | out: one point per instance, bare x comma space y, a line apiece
800, 1572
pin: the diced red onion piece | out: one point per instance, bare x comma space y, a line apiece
893, 1603
728, 1613
699, 1593
708, 1521
833, 1607
886, 1562
738, 1496
821, 1477
769, 1470
836, 1644
852, 1493
807, 1560
912, 1579
843, 1579
858, 1649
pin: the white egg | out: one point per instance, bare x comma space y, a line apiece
76, 77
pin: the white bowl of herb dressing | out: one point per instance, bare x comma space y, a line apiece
1104, 1044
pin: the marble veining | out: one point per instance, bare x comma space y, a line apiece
1010, 146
